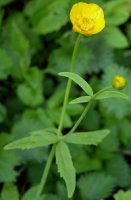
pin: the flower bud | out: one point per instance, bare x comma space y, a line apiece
119, 82
87, 19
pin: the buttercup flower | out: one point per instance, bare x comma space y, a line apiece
87, 19
119, 82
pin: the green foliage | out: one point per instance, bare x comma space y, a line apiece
116, 38
5, 63
2, 113
37, 139
30, 92
87, 138
95, 186
43, 13
121, 195
36, 43
83, 99
117, 12
111, 94
65, 167
119, 107
9, 191
31, 194
119, 169
78, 80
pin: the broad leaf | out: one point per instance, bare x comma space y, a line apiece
78, 80
65, 166
33, 141
9, 191
83, 99
87, 138
115, 38
111, 94
47, 16
122, 195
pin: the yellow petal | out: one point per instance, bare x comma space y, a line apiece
87, 18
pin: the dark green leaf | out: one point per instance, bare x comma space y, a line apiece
45, 15
96, 186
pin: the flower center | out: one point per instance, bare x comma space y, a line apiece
85, 23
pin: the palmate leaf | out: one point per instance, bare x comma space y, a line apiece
87, 138
65, 166
83, 99
39, 139
110, 94
78, 80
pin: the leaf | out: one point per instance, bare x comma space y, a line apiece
9, 191
117, 12
78, 80
33, 141
118, 167
83, 99
4, 2
31, 91
96, 186
8, 161
2, 113
111, 94
47, 16
87, 138
65, 166
123, 195
19, 42
115, 38
43, 132
5, 64
31, 194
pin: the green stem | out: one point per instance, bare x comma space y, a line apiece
67, 92
46, 171
80, 118
52, 153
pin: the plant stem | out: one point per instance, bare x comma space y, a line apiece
68, 85
46, 171
67, 92
80, 118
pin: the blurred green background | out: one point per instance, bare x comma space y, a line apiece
36, 42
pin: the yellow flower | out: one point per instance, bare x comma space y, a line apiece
119, 82
87, 19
